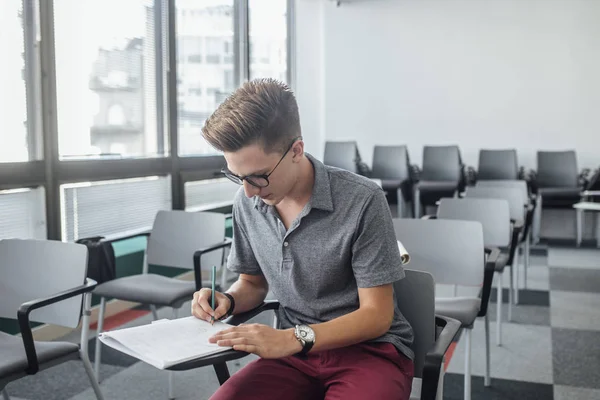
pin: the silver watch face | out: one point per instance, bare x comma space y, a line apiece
305, 333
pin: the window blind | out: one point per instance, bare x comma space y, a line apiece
112, 208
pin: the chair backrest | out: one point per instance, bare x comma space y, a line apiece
493, 214
415, 297
498, 164
176, 235
518, 184
341, 155
514, 196
451, 251
441, 163
35, 269
557, 169
390, 162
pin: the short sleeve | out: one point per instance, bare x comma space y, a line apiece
375, 255
241, 258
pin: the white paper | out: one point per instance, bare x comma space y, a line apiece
167, 343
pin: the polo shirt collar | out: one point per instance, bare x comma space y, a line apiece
321, 195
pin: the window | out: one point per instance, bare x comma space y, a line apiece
209, 194
105, 55
22, 214
13, 95
268, 39
204, 31
214, 49
112, 207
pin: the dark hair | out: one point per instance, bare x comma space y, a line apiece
262, 111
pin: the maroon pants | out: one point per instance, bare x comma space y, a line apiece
363, 371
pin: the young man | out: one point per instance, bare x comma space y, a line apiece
321, 240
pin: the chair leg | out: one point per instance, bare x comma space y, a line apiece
222, 372
517, 273
154, 312
526, 259
537, 220
171, 377
417, 203
99, 330
487, 379
499, 311
5, 395
511, 291
467, 395
90, 373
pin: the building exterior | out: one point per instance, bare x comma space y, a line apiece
126, 119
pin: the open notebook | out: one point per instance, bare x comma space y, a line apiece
165, 343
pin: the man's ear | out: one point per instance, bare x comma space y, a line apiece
298, 150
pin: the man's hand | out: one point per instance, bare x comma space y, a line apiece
201, 308
262, 340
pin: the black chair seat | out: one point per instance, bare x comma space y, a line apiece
435, 186
14, 359
391, 184
560, 192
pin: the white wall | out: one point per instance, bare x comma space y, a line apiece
519, 74
309, 74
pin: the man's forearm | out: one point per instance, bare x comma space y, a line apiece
356, 327
247, 295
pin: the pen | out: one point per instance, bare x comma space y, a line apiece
212, 292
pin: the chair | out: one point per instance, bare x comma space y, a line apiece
498, 164
43, 281
341, 155
415, 296
517, 212
178, 239
530, 202
442, 176
453, 252
494, 216
391, 165
556, 182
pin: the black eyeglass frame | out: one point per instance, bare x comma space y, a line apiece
248, 178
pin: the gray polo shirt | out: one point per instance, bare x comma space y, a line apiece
342, 240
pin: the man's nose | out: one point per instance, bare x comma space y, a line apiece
250, 190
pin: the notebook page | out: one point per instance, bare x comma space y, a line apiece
170, 342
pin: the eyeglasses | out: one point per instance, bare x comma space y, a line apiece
259, 181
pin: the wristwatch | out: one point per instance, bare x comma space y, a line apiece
306, 337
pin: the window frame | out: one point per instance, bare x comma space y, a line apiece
45, 168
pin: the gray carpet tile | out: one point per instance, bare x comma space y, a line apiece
152, 383
574, 258
527, 297
575, 393
501, 389
537, 278
575, 310
57, 383
522, 314
575, 279
576, 356
525, 354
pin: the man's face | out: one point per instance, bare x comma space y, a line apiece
252, 160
